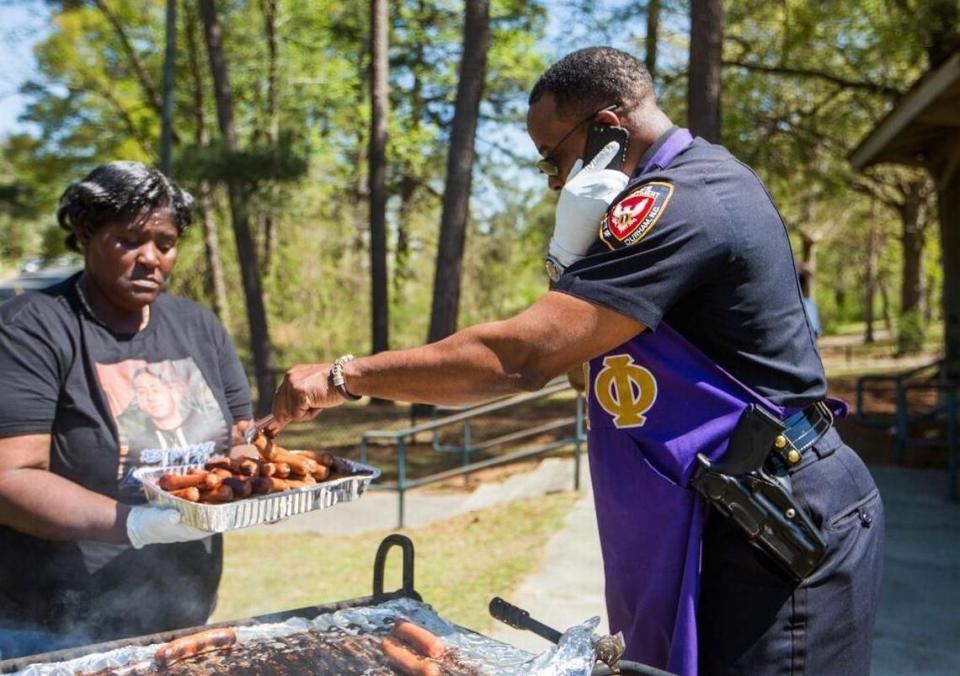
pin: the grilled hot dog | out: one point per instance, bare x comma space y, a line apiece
406, 662
421, 639
195, 644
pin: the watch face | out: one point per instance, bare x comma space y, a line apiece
553, 269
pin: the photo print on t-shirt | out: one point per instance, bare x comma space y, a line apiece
165, 412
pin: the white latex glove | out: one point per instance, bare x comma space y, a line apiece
156, 525
583, 202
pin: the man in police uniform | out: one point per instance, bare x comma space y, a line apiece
683, 300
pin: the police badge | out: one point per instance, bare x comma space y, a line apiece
635, 215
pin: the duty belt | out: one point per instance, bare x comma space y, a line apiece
802, 430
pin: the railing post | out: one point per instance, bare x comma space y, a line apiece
952, 440
363, 450
467, 440
578, 432
860, 415
902, 422
401, 477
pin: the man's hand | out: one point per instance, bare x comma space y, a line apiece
583, 202
305, 391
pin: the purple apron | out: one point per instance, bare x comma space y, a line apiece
654, 403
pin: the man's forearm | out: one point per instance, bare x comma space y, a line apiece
473, 365
40, 503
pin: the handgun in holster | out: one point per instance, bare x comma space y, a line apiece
748, 487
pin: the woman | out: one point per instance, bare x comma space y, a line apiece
82, 558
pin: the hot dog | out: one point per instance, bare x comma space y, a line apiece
321, 473
222, 493
406, 662
277, 485
321, 457
301, 482
195, 644
281, 470
261, 485
217, 463
421, 639
176, 482
241, 487
245, 466
192, 493
263, 445
298, 463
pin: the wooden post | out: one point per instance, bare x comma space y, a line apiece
948, 197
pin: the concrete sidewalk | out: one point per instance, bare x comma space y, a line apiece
918, 628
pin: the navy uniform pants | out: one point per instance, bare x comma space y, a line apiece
753, 620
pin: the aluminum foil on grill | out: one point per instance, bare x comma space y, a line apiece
256, 510
473, 652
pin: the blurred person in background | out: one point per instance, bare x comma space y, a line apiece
82, 558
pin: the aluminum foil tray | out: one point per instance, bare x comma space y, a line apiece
252, 511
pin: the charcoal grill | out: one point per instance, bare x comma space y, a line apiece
500, 609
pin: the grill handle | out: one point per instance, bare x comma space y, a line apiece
380, 563
518, 618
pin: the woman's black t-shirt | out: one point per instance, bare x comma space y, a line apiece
112, 403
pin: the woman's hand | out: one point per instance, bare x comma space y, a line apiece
305, 391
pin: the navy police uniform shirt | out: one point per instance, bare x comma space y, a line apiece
700, 245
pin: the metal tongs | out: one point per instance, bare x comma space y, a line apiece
609, 649
267, 426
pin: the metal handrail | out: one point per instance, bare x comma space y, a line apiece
401, 436
948, 395
896, 378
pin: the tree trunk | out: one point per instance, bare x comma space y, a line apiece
166, 113
653, 25
703, 86
870, 283
380, 105
885, 304
401, 255
913, 219
808, 265
211, 242
269, 10
246, 251
408, 182
456, 194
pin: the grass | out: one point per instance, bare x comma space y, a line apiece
460, 563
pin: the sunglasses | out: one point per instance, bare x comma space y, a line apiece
548, 165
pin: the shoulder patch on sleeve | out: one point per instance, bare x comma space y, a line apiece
634, 216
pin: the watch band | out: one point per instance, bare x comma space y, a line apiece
554, 269
337, 379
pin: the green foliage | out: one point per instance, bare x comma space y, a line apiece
286, 160
804, 83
